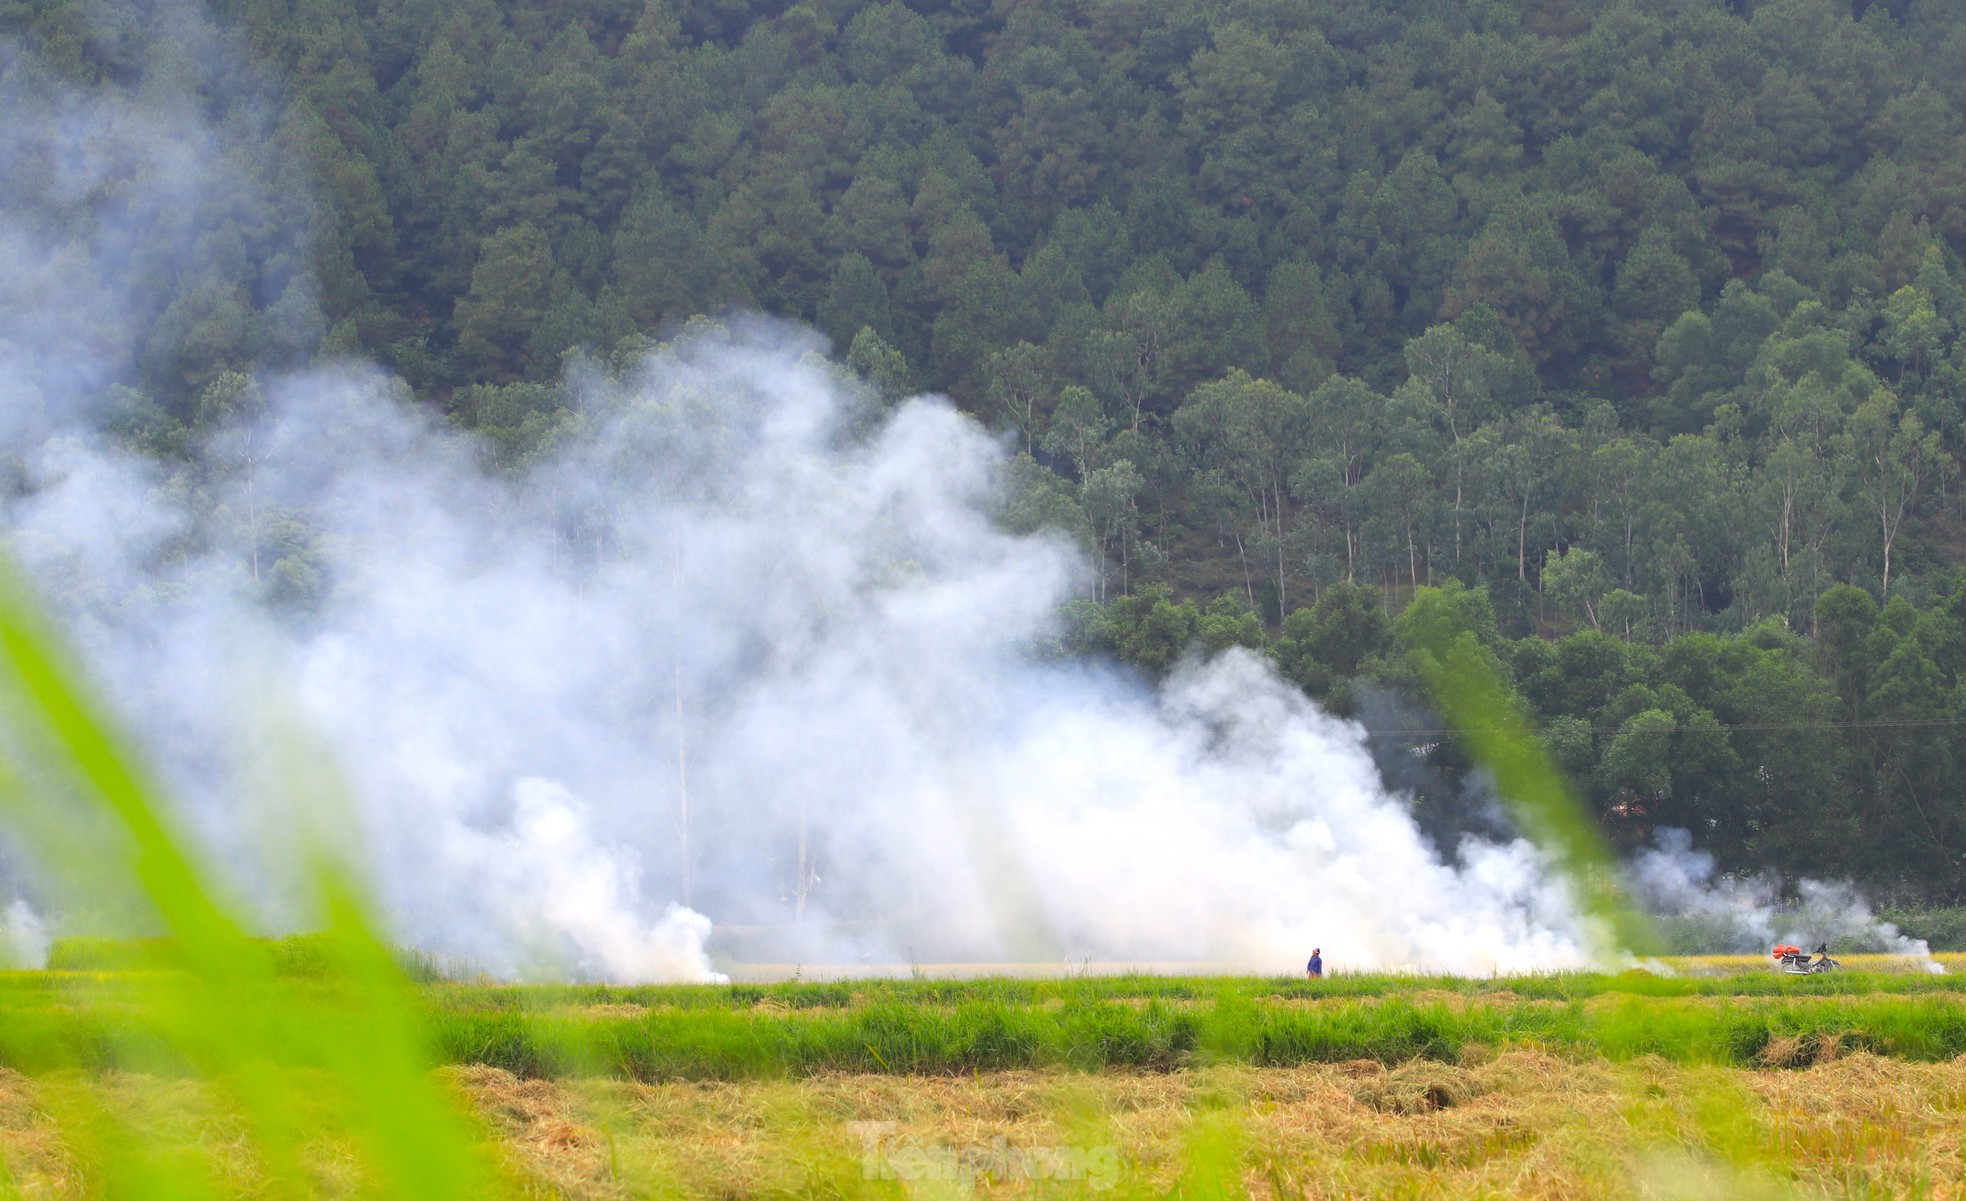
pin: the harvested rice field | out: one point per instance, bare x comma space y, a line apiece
1723, 1079
1518, 1123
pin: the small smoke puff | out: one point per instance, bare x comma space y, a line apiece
1749, 913
24, 938
572, 899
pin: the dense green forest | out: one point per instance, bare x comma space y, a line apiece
1836, 756
1633, 326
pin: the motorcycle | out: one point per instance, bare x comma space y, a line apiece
1795, 961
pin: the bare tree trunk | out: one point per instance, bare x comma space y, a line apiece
1248, 584
1788, 509
1628, 546
252, 496
1457, 505
1522, 541
252, 512
1283, 606
1888, 523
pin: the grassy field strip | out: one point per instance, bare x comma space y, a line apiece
1558, 1086
1758, 980
1097, 1036
776, 973
1731, 964
1709, 1084
923, 1029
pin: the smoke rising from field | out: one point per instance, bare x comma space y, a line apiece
1746, 914
23, 936
743, 647
747, 588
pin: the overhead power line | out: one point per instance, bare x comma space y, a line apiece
1882, 724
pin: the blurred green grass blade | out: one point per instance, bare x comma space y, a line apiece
373, 1037
418, 1139
226, 1011
1470, 692
45, 691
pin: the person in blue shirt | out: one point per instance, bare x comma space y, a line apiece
1315, 968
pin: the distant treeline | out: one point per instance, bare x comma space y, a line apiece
1640, 319
1836, 757
1654, 307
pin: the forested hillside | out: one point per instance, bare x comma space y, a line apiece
1633, 324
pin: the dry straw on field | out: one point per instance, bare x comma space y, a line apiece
1520, 1124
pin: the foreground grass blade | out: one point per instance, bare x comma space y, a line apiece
1485, 712
220, 1005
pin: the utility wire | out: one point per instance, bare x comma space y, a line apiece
1885, 724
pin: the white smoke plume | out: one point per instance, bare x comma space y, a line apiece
585, 895
741, 646
1750, 913
743, 590
24, 939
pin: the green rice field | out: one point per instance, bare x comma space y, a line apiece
101, 1021
1631, 1083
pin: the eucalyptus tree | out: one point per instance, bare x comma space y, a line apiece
1345, 425
1108, 499
1449, 380
1529, 467
1890, 456
1252, 430
1020, 389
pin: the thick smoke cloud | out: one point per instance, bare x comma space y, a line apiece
743, 646
140, 226
1751, 914
750, 646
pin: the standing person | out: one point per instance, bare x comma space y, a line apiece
1315, 968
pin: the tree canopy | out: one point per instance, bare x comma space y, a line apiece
1640, 320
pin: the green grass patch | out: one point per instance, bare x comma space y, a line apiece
707, 1042
99, 1022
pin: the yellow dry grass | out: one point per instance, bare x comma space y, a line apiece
1518, 1124
71, 1134
1727, 965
